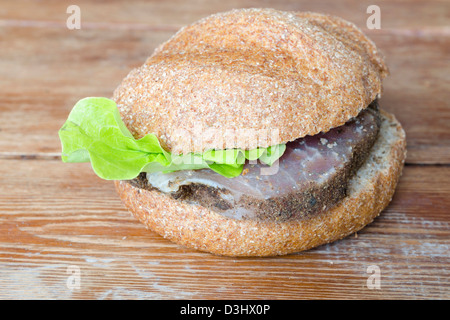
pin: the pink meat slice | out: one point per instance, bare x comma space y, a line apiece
311, 176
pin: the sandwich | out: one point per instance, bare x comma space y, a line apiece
253, 132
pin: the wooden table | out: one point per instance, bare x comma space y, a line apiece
59, 223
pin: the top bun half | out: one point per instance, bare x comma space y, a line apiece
230, 78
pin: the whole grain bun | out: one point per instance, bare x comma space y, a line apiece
236, 73
369, 192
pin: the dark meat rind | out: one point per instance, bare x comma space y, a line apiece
301, 188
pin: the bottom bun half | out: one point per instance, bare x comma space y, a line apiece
369, 192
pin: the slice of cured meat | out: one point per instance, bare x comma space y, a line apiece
312, 176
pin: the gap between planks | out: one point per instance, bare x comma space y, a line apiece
30, 156
55, 156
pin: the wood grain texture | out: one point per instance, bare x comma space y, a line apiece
55, 215
53, 219
155, 14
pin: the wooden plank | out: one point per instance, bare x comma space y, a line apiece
43, 79
55, 215
40, 81
416, 91
398, 14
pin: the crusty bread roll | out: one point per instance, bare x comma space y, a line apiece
370, 191
298, 73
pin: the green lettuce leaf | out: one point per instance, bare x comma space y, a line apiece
94, 132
